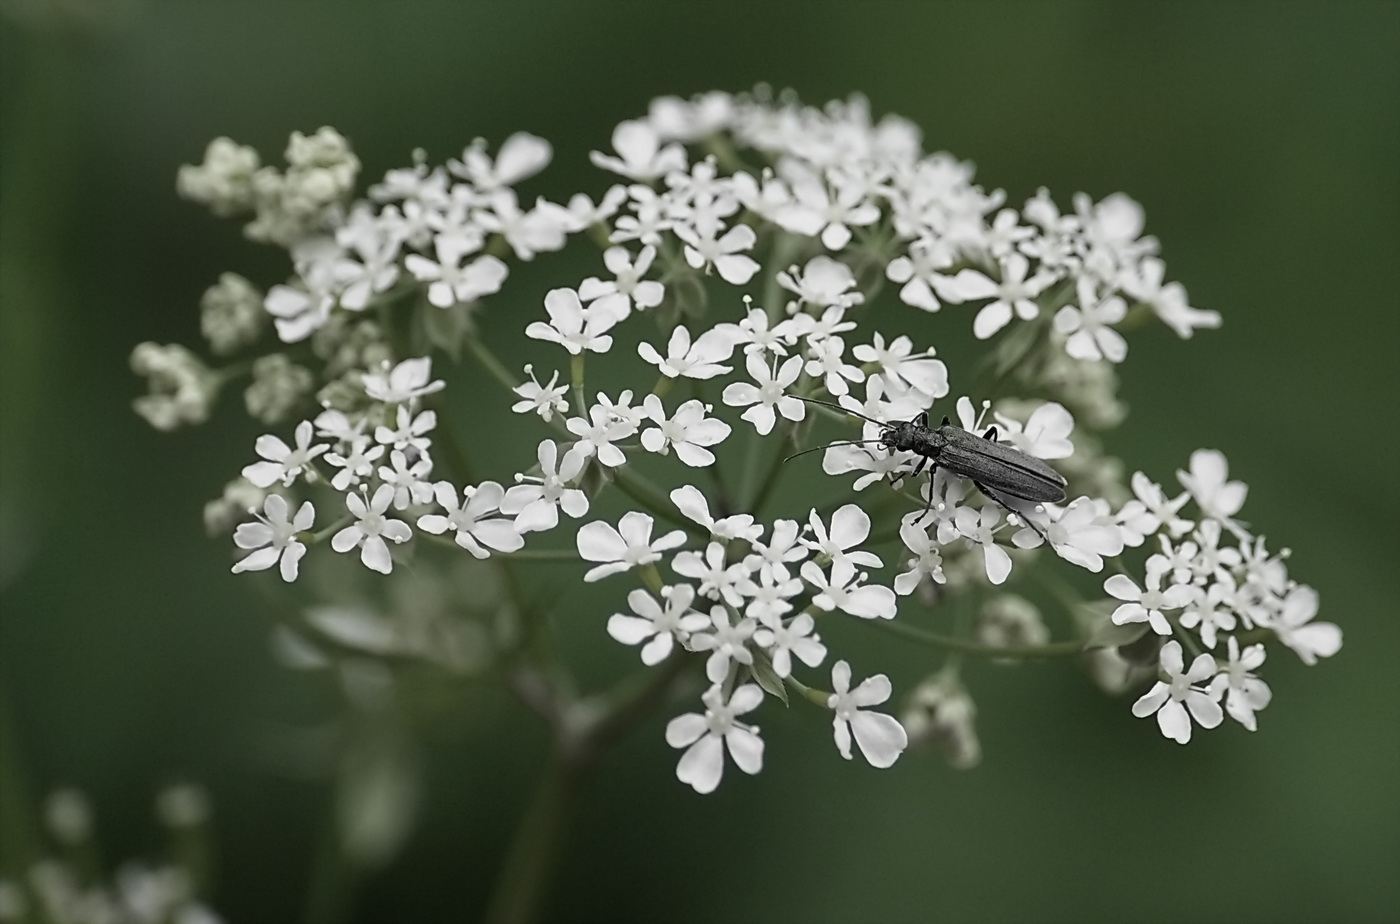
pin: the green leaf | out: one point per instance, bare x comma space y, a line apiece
767, 678
445, 328
1107, 635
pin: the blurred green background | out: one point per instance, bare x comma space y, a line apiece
1263, 140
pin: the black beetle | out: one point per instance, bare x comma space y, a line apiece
999, 471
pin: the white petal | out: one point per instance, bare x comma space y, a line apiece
702, 765
291, 559
746, 748
1174, 722
1152, 700
842, 733
630, 630
685, 729
260, 560
375, 555
881, 738
598, 541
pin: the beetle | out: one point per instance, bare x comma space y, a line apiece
999, 471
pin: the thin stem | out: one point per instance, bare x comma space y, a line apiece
576, 376
550, 555
522, 884
1051, 650
529, 862
490, 363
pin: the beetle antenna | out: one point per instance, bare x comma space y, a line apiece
843, 410
829, 445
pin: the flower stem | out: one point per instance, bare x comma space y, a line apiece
576, 376
530, 860
490, 363
1051, 650
529, 863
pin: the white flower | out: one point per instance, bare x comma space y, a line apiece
979, 528
371, 529
598, 433
1166, 698
448, 281
1161, 508
816, 208
1217, 497
725, 253
1204, 612
376, 270
920, 274
795, 638
544, 228
880, 737
545, 400
716, 578
724, 642
1168, 301
299, 312
700, 360
628, 546
771, 558
826, 363
409, 481
407, 381
1089, 326
1245, 694
628, 288
571, 326
663, 625
535, 502
334, 425
767, 599
1046, 433
357, 463
281, 462
1148, 605
689, 431
522, 155
850, 526
757, 336
823, 283
845, 592
641, 157
903, 369
411, 430
274, 537
926, 559
768, 394
1014, 294
1081, 539
472, 520
706, 737
1295, 628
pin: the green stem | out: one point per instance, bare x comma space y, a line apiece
551, 555
576, 377
1051, 650
490, 363
523, 881
529, 862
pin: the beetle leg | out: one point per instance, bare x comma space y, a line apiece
928, 499
991, 434
997, 498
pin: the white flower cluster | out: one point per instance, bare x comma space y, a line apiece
1200, 590
825, 203
71, 891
